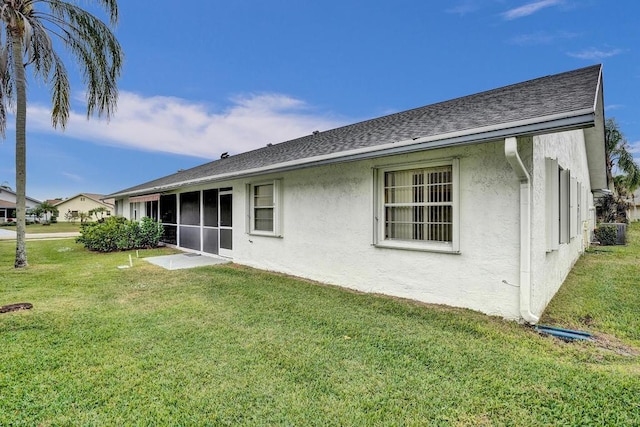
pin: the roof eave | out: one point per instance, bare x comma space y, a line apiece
560, 122
595, 144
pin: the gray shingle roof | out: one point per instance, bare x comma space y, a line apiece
535, 101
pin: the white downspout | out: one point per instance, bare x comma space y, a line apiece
511, 153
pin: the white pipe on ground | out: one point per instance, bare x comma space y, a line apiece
511, 153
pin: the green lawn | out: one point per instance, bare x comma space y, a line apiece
602, 293
229, 345
58, 227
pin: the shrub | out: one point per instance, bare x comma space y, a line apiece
119, 234
150, 233
607, 235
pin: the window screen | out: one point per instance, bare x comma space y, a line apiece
190, 208
418, 204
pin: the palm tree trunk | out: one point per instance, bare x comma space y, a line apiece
21, 150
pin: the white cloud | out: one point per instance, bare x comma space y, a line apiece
175, 125
464, 8
542, 37
635, 148
72, 176
595, 54
529, 9
613, 107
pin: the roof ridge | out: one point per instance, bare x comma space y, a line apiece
560, 96
484, 92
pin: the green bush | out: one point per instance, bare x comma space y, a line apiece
150, 233
119, 234
607, 235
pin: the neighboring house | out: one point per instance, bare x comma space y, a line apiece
482, 202
53, 202
8, 204
634, 206
71, 208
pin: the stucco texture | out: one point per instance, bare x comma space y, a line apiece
328, 228
328, 233
550, 268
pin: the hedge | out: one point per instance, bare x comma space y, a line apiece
120, 234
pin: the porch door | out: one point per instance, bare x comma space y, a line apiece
210, 231
226, 222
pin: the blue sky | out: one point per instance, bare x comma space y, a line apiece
205, 76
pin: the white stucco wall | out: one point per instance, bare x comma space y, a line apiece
328, 228
549, 269
11, 198
328, 234
80, 204
634, 206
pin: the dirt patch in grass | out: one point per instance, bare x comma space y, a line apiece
613, 344
15, 307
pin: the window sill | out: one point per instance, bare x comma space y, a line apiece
265, 234
420, 247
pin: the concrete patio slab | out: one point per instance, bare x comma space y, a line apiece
187, 260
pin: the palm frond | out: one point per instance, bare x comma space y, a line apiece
5, 88
60, 90
97, 52
90, 41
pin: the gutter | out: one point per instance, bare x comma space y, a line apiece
511, 153
556, 122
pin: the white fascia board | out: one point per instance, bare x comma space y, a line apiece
557, 122
594, 141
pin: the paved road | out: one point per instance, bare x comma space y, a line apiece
7, 234
11, 235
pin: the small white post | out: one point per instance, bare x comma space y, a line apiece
130, 261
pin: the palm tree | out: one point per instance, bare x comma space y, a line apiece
43, 209
619, 156
30, 29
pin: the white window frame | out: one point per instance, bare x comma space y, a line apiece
277, 208
573, 207
579, 224
565, 209
379, 208
552, 182
135, 211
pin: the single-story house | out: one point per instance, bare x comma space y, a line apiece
483, 202
633, 213
8, 204
70, 209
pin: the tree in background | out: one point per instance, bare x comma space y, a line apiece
618, 152
99, 213
32, 32
613, 207
43, 209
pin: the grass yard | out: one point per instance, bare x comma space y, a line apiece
58, 227
229, 345
602, 293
